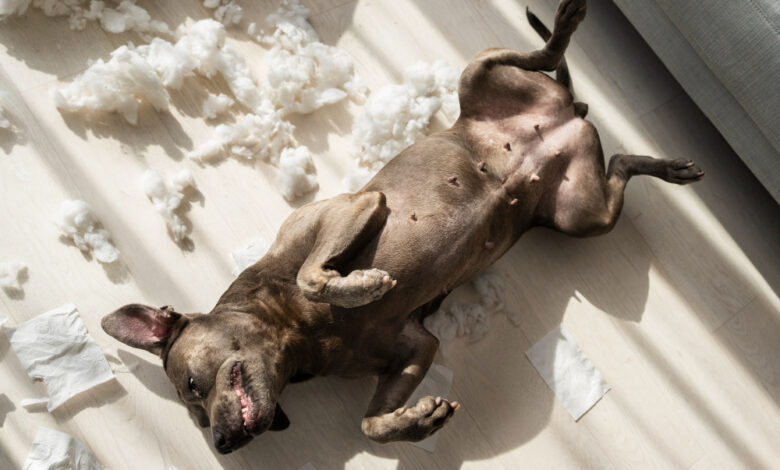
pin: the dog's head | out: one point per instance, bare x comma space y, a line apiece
222, 368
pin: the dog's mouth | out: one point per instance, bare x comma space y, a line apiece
247, 405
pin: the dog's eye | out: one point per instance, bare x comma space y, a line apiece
193, 388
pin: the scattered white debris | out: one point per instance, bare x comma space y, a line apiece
303, 73
471, 319
4, 123
215, 105
117, 85
263, 135
56, 347
249, 254
226, 12
297, 175
78, 222
123, 16
167, 201
56, 450
398, 115
10, 274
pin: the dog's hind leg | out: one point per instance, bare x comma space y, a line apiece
344, 225
387, 418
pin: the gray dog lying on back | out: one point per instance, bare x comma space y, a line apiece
347, 283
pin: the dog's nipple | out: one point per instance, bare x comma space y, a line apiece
538, 132
508, 147
489, 245
482, 167
413, 217
535, 177
513, 202
453, 180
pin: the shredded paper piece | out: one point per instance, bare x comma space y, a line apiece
56, 347
568, 372
436, 383
251, 253
54, 450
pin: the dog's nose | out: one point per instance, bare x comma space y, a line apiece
222, 444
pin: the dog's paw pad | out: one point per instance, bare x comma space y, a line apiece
683, 171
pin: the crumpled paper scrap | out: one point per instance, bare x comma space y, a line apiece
56, 347
54, 450
568, 372
436, 383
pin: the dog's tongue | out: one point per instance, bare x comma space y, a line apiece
243, 398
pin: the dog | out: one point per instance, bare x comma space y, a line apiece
346, 285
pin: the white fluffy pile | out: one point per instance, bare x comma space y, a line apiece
262, 134
120, 17
10, 274
303, 73
251, 253
471, 319
135, 74
78, 223
226, 12
398, 115
297, 175
214, 105
118, 85
168, 200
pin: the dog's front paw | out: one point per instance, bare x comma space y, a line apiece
428, 416
682, 172
360, 287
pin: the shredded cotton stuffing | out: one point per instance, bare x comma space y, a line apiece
471, 319
226, 12
297, 175
396, 116
303, 73
78, 223
249, 254
117, 85
215, 105
168, 200
11, 274
118, 18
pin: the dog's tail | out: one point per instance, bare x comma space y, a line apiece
562, 75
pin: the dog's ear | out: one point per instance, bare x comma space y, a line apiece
281, 421
142, 326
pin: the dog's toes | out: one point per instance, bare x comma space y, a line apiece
683, 172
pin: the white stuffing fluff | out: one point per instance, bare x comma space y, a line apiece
142, 73
303, 73
124, 16
118, 85
471, 319
78, 223
263, 134
251, 253
226, 12
214, 105
167, 201
297, 175
396, 116
11, 273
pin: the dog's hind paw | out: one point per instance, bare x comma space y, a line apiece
570, 14
682, 172
411, 424
360, 287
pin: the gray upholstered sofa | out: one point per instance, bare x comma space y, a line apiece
726, 54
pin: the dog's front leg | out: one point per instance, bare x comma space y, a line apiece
388, 418
344, 227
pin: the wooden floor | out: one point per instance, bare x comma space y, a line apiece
677, 307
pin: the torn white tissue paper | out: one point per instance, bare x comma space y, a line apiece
125, 16
118, 85
215, 105
471, 319
78, 222
168, 200
397, 116
226, 12
251, 253
10, 274
54, 450
568, 372
297, 175
56, 347
34, 404
436, 383
303, 73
